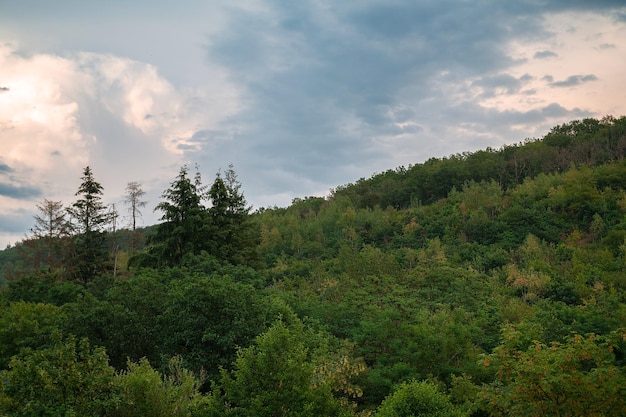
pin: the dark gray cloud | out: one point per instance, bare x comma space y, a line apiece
501, 84
326, 80
12, 187
18, 191
4, 168
4, 89
544, 54
574, 80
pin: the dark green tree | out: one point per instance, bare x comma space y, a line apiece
26, 326
206, 319
185, 227
234, 238
89, 216
89, 213
224, 230
277, 376
68, 378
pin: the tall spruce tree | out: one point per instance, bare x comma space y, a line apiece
89, 216
223, 230
185, 227
234, 239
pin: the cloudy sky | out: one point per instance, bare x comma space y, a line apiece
300, 96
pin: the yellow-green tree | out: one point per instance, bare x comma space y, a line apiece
577, 378
418, 398
280, 376
144, 392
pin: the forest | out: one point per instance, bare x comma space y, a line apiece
488, 283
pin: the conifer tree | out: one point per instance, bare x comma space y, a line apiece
88, 212
234, 239
223, 230
89, 215
185, 222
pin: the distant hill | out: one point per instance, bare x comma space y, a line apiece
589, 141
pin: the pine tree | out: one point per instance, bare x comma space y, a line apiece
234, 238
88, 212
185, 227
89, 215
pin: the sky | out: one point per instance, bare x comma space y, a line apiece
299, 96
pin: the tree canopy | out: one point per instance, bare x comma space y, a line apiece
490, 283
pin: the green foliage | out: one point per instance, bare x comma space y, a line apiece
277, 377
144, 392
223, 230
185, 227
88, 212
68, 378
418, 398
43, 287
589, 141
576, 378
425, 345
26, 326
89, 257
138, 303
206, 319
411, 274
125, 327
234, 238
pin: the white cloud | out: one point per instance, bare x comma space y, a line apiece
37, 118
61, 113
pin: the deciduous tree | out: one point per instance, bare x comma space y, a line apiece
418, 398
49, 245
69, 378
133, 199
276, 377
576, 378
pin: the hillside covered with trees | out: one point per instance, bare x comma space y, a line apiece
490, 283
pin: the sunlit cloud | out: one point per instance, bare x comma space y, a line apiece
59, 114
